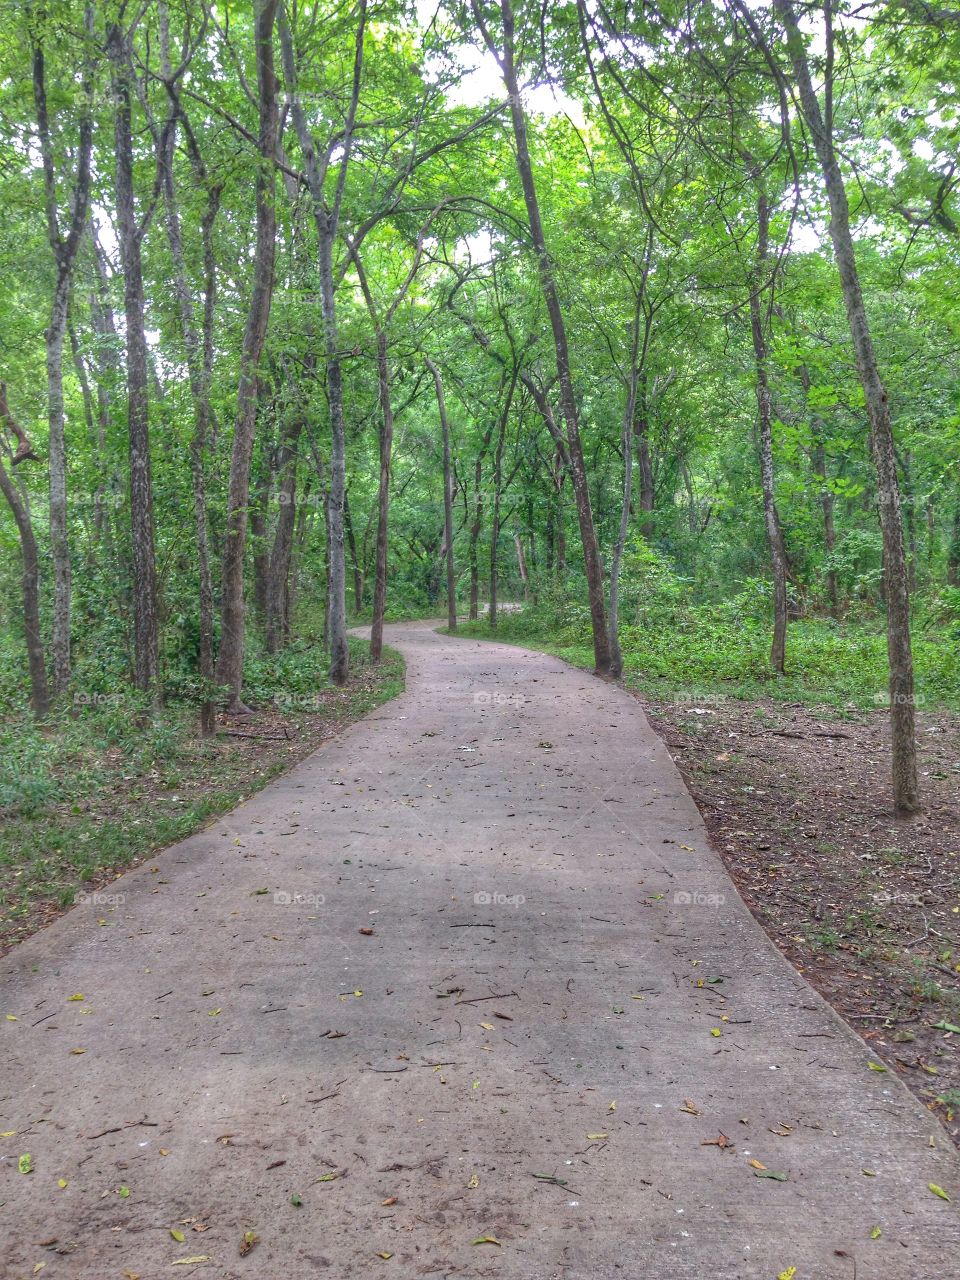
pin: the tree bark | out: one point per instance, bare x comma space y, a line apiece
771, 516
39, 689
447, 497
385, 436
327, 220
64, 249
906, 792
591, 551
229, 669
354, 559
129, 234
276, 604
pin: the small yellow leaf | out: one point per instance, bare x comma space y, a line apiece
11, 1017
487, 1240
869, 1173
358, 993
61, 1183
487, 1026
876, 1066
612, 1106
474, 1181
177, 1235
132, 1275
384, 1255
715, 1031
755, 1164
164, 1151
788, 1274
78, 996
78, 1051
937, 1191
189, 1262
597, 1137
212, 1013
8, 1133
875, 1233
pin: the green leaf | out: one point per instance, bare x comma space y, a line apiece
769, 1173
296, 1200
25, 1163
937, 1191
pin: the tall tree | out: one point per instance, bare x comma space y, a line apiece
229, 669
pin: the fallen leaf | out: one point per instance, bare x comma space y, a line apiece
755, 1164
487, 1026
597, 1137
474, 1181
937, 1191
721, 1141
25, 1163
389, 1201
367, 933
612, 1106
8, 1133
875, 1233
78, 1051
190, 1262
715, 1031
78, 996
385, 1256
768, 1173
164, 1151
296, 1200
248, 1240
213, 1013
869, 1173
876, 1066
131, 1275
487, 1240
937, 1026
62, 1183
788, 1274
124, 1193
177, 1235
690, 1108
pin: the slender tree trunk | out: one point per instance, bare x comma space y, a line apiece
198, 349
64, 250
259, 505
591, 551
626, 436
354, 560
906, 792
327, 221
447, 497
129, 234
278, 573
495, 518
383, 498
229, 669
771, 517
641, 431
39, 690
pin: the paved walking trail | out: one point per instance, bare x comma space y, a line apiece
239, 1051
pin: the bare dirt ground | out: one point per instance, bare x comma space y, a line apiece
467, 993
865, 905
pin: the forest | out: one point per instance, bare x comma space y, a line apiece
636, 318
480, 584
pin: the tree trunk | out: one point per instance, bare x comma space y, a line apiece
383, 498
39, 690
641, 431
771, 517
906, 791
198, 349
591, 551
354, 559
64, 251
276, 610
953, 551
230, 657
447, 497
129, 234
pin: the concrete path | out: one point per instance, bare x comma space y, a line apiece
562, 1008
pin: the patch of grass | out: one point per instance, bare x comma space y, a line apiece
109, 781
707, 652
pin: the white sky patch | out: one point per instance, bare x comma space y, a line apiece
923, 149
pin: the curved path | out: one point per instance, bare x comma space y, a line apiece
525, 1048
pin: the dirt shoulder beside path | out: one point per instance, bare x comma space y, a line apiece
866, 906
466, 993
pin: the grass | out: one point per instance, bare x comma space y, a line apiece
107, 782
703, 652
